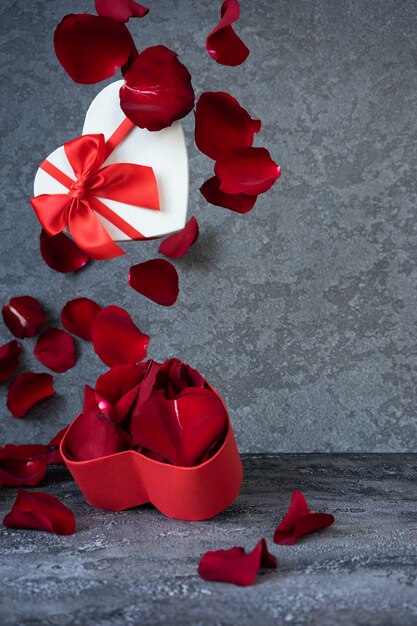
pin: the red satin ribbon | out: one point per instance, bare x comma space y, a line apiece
125, 182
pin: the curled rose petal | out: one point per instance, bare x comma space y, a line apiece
119, 380
222, 43
120, 10
235, 566
91, 48
27, 390
116, 339
239, 202
174, 377
157, 89
299, 521
40, 511
9, 359
180, 430
23, 316
94, 435
56, 349
178, 244
61, 253
156, 279
246, 170
22, 465
221, 124
78, 315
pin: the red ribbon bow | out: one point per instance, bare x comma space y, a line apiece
125, 182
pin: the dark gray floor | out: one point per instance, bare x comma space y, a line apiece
138, 567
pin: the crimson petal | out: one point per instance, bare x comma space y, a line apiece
91, 47
27, 390
179, 430
120, 10
299, 521
156, 279
246, 170
40, 511
55, 456
235, 566
239, 202
61, 253
119, 380
178, 244
56, 349
23, 316
222, 43
94, 435
116, 339
78, 315
9, 359
157, 89
174, 377
22, 465
221, 124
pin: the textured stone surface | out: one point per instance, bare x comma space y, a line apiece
138, 567
303, 312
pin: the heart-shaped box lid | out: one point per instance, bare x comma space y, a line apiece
165, 151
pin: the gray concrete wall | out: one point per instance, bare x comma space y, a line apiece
302, 313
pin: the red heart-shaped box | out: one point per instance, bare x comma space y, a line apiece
128, 479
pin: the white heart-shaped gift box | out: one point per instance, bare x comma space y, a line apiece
165, 151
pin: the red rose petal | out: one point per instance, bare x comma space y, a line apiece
78, 315
239, 202
157, 89
56, 441
299, 521
56, 349
9, 359
222, 43
179, 430
22, 465
178, 244
61, 253
156, 279
174, 377
94, 435
119, 380
40, 511
235, 566
116, 339
246, 170
91, 47
27, 390
120, 10
55, 456
23, 316
221, 124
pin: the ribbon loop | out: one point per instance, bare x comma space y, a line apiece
77, 210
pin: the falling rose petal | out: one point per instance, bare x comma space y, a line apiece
94, 435
178, 244
120, 10
222, 44
78, 315
56, 349
40, 511
9, 359
91, 48
157, 89
116, 339
27, 390
299, 521
156, 279
61, 253
221, 124
23, 316
179, 430
23, 464
238, 202
246, 170
235, 566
